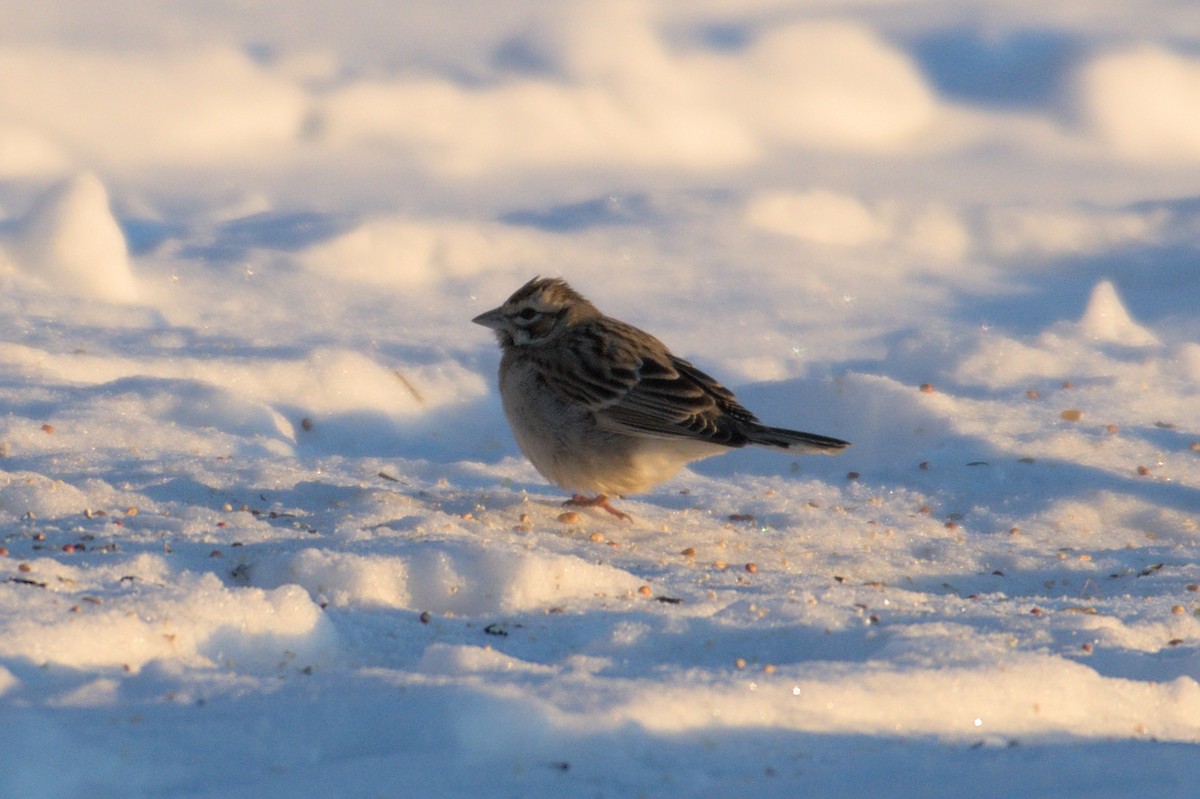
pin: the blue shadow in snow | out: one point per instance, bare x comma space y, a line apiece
521, 56
1023, 69
608, 211
1158, 284
287, 232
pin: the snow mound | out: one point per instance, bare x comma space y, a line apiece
416, 253
1106, 319
137, 106
186, 616
464, 580
819, 216
831, 85
827, 86
71, 241
1145, 103
237, 392
1030, 695
26, 493
460, 660
1052, 230
825, 217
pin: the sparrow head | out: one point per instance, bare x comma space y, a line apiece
536, 313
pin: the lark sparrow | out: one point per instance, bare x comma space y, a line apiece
599, 406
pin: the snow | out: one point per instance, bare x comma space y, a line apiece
72, 242
266, 533
1142, 100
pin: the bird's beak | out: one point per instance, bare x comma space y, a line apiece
492, 319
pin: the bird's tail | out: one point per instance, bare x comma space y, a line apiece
794, 440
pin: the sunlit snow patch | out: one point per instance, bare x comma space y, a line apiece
441, 578
155, 615
71, 241
1107, 320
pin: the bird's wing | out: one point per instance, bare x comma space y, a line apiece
633, 384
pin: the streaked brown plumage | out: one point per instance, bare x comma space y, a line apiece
600, 406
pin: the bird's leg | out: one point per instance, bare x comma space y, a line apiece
598, 501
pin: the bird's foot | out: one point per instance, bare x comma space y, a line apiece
598, 501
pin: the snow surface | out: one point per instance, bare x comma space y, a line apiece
265, 531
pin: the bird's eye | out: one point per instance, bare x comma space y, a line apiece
527, 314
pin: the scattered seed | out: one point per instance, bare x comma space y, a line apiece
1032, 393
769, 668
306, 424
1014, 531
1087, 648
596, 538
24, 567
1072, 415
1112, 429
951, 525
68, 548
740, 663
852, 475
927, 388
1175, 642
1036, 611
3, 552
48, 429
569, 517
1193, 587
752, 568
1196, 446
425, 617
923, 466
741, 517
720, 564
690, 552
1068, 384
1143, 471
216, 553
524, 518
645, 590
1178, 610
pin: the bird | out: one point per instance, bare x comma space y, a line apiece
601, 407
